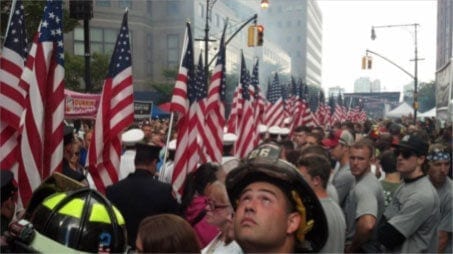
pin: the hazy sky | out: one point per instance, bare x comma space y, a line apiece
347, 34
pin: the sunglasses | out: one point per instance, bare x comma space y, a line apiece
405, 153
212, 206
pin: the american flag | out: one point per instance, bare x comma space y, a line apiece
247, 129
274, 113
115, 113
180, 105
308, 114
258, 100
322, 110
339, 113
298, 106
357, 114
198, 99
12, 95
215, 114
43, 79
236, 110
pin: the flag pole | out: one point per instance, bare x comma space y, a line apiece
13, 6
170, 126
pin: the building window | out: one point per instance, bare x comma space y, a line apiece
126, 4
172, 50
172, 8
103, 3
102, 40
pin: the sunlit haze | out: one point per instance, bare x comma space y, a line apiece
347, 34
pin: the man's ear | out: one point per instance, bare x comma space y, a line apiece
293, 223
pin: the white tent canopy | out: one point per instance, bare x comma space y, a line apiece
403, 109
430, 113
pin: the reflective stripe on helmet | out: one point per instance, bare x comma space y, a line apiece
52, 201
74, 208
100, 214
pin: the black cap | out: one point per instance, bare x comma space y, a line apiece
263, 164
8, 187
147, 151
414, 143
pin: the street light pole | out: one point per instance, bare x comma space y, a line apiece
415, 76
209, 5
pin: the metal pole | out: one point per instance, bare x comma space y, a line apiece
415, 77
86, 40
206, 40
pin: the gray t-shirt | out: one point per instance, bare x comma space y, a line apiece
336, 225
366, 198
343, 181
332, 192
414, 212
446, 224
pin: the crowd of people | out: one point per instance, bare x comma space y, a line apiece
352, 187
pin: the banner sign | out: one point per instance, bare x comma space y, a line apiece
142, 109
81, 105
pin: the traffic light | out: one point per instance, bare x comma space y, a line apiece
255, 35
366, 62
259, 35
251, 36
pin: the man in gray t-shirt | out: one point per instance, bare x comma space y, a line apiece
439, 165
413, 215
365, 203
316, 170
338, 144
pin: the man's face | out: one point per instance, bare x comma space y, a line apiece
337, 152
359, 161
262, 218
406, 161
299, 138
310, 140
147, 131
438, 171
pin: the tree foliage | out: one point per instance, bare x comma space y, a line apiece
75, 71
33, 11
427, 96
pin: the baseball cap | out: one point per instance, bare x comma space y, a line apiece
414, 143
263, 165
343, 137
